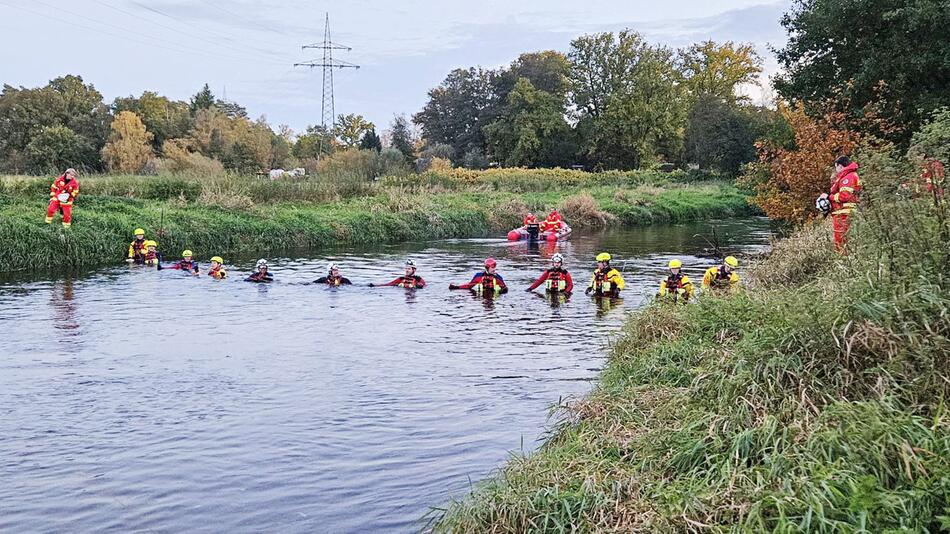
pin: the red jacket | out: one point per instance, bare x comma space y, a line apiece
845, 190
60, 185
408, 282
562, 275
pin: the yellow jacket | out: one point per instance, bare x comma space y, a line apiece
713, 279
684, 289
610, 283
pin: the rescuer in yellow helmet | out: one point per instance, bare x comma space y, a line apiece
606, 281
217, 268
676, 287
722, 278
137, 247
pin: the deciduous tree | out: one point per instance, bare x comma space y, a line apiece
128, 147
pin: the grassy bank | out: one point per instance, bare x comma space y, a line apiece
813, 402
232, 215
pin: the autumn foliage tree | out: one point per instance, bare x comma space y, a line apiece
786, 182
128, 148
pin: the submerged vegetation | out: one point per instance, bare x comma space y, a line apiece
815, 401
228, 214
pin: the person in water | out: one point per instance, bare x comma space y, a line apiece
556, 279
676, 287
487, 282
217, 268
722, 278
333, 278
261, 274
553, 222
152, 256
409, 281
186, 264
137, 247
606, 281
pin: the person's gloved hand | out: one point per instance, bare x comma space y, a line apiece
372, 284
588, 290
453, 286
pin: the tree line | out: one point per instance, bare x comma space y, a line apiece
613, 101
66, 123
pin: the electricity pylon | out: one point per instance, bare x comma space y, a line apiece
328, 107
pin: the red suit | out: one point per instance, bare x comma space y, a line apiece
60, 187
844, 198
409, 282
558, 281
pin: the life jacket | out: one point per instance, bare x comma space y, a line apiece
334, 281
261, 277
488, 285
723, 279
218, 272
602, 283
137, 247
673, 283
552, 224
187, 265
150, 257
557, 280
410, 282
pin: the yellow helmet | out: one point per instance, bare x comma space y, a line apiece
138, 231
731, 261
603, 256
186, 253
675, 264
217, 259
150, 243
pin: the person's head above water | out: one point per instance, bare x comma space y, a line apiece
262, 265
333, 270
410, 267
675, 266
603, 260
490, 265
186, 255
557, 260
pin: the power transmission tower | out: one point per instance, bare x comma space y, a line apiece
328, 109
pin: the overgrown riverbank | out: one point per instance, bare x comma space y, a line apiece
813, 402
231, 215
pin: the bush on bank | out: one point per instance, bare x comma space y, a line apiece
813, 402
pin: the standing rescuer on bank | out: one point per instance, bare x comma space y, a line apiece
61, 196
843, 195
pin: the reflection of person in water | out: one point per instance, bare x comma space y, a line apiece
65, 317
606, 305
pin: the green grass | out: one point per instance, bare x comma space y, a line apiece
815, 401
228, 215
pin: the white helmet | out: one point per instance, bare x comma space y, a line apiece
823, 204
410, 263
261, 263
558, 258
332, 267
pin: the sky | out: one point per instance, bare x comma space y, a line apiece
245, 49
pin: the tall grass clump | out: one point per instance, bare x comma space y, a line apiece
814, 401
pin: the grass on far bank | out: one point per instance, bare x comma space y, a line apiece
226, 216
815, 401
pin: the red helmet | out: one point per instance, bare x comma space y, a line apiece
530, 219
490, 262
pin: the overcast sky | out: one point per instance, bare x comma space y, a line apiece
247, 47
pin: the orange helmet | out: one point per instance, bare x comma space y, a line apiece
531, 219
490, 262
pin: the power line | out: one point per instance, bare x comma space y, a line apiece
201, 29
161, 43
328, 64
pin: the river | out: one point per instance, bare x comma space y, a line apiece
140, 401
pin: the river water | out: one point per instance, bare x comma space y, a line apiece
140, 401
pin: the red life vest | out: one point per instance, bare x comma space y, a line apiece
557, 280
408, 282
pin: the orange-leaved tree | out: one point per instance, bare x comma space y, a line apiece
786, 181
